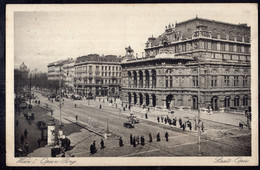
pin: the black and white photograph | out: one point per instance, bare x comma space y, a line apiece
132, 84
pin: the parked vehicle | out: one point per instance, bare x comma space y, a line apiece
57, 99
52, 96
133, 118
76, 97
128, 124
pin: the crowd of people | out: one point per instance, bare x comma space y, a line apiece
182, 124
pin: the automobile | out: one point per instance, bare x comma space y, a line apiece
128, 124
133, 118
90, 97
57, 99
52, 96
76, 97
171, 112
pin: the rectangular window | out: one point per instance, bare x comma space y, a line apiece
105, 67
195, 81
226, 81
214, 46
113, 68
170, 81
166, 81
238, 48
245, 81
214, 81
231, 48
109, 68
235, 80
102, 68
206, 45
222, 47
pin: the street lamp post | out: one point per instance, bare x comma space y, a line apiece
198, 105
60, 97
199, 143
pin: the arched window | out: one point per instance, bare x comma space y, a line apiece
141, 79
129, 79
245, 100
153, 79
135, 79
227, 101
236, 101
147, 79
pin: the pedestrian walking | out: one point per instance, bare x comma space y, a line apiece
161, 119
137, 140
150, 137
22, 139
102, 144
189, 124
195, 123
180, 122
39, 142
94, 147
100, 106
121, 142
134, 142
146, 116
241, 125
131, 139
174, 121
158, 137
142, 140
25, 133
158, 119
91, 149
166, 136
76, 118
27, 147
202, 127
165, 120
75, 105
184, 126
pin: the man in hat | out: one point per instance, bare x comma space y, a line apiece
102, 144
166, 136
121, 142
150, 137
142, 140
158, 137
131, 139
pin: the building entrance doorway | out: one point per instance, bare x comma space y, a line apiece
214, 103
195, 102
169, 99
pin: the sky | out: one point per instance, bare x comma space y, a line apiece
42, 36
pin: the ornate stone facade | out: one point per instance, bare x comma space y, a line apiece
198, 58
97, 75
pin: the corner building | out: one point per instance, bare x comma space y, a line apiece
97, 75
198, 59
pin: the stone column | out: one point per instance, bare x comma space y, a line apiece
138, 99
151, 101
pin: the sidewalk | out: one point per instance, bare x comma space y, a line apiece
218, 117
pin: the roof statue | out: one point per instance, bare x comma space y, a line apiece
129, 50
